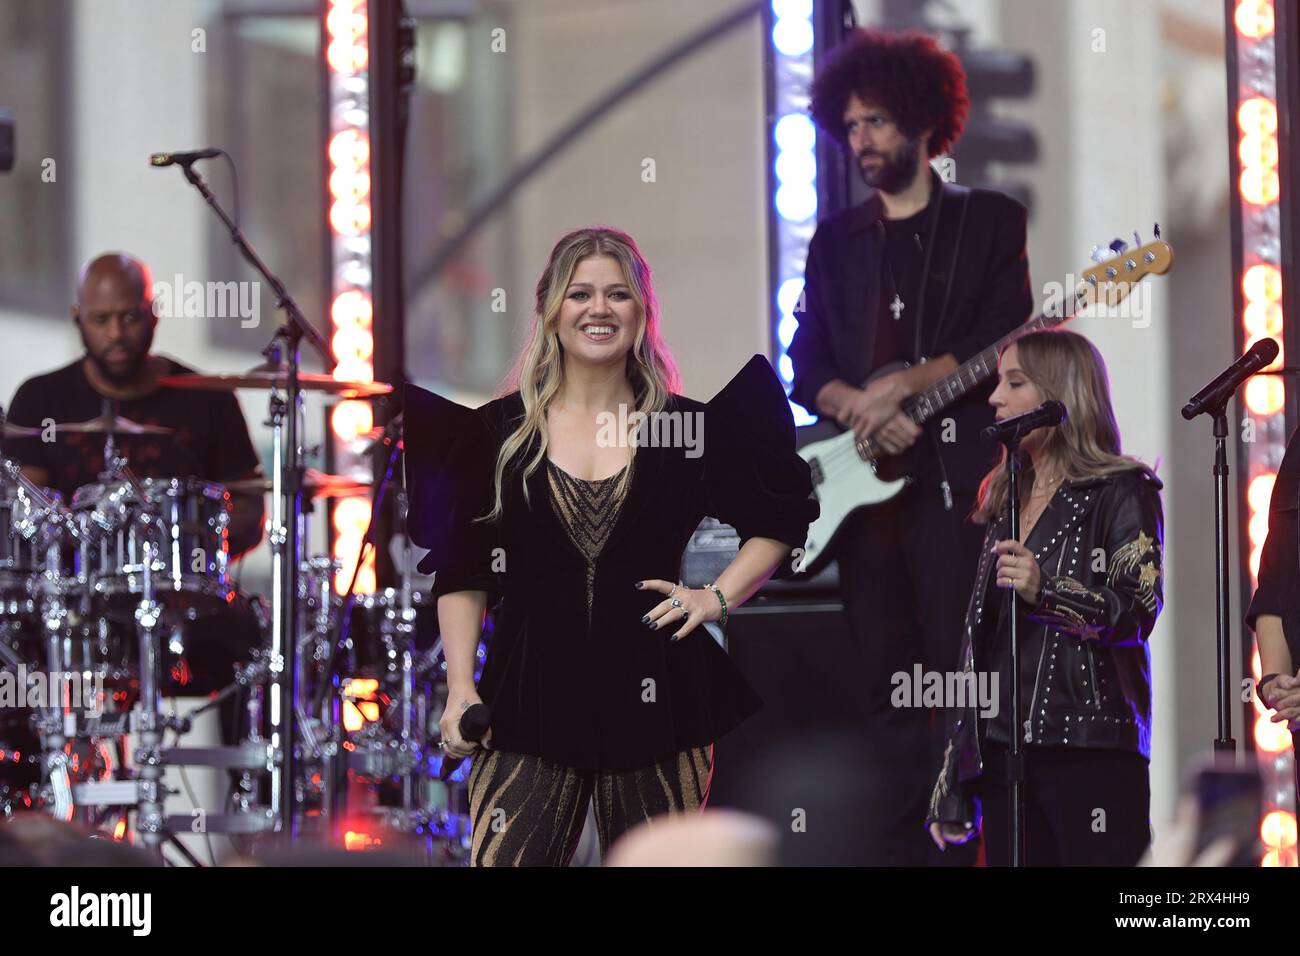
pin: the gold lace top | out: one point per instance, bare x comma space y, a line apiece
588, 511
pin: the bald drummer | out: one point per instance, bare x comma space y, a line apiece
209, 440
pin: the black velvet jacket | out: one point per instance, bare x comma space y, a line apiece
611, 694
978, 291
1085, 666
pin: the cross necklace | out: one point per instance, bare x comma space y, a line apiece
897, 305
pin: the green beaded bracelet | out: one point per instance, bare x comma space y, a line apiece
722, 621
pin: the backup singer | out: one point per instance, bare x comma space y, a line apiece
894, 102
601, 681
1088, 570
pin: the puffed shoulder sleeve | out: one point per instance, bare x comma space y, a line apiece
450, 459
754, 479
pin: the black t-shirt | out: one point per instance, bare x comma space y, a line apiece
900, 271
997, 651
211, 440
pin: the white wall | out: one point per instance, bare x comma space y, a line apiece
702, 223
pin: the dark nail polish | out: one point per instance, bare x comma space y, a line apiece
645, 619
639, 586
654, 627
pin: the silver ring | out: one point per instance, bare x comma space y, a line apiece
674, 590
677, 602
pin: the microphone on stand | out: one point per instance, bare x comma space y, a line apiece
474, 725
383, 441
1215, 395
183, 158
1010, 431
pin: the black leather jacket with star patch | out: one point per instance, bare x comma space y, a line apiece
1084, 662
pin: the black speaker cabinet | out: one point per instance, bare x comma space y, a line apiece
797, 653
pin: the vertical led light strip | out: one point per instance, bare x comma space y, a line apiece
347, 37
1258, 193
794, 172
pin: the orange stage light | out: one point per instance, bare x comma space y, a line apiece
352, 308
1265, 395
1254, 18
352, 419
1258, 116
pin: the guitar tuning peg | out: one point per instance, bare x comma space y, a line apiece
1137, 240
1099, 254
1157, 230
1118, 246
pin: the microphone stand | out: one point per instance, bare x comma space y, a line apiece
1224, 745
1016, 758
287, 512
1213, 400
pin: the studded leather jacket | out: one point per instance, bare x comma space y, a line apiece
1085, 668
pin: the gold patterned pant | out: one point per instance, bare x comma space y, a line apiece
526, 811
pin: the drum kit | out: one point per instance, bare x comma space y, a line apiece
102, 594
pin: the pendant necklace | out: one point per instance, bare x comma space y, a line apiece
896, 305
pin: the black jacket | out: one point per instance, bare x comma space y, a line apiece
1085, 665
989, 295
1278, 589
610, 694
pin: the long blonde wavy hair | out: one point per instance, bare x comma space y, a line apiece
538, 371
1067, 368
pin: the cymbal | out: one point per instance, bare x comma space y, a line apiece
315, 484
265, 376
111, 423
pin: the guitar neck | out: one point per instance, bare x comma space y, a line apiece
972, 373
1110, 280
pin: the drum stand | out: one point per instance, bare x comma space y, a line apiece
318, 715
413, 740
54, 721
147, 719
146, 791
285, 531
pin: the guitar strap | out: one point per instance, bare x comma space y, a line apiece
947, 189
952, 267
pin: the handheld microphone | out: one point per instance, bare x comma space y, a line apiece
181, 158
1217, 393
1009, 431
474, 724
